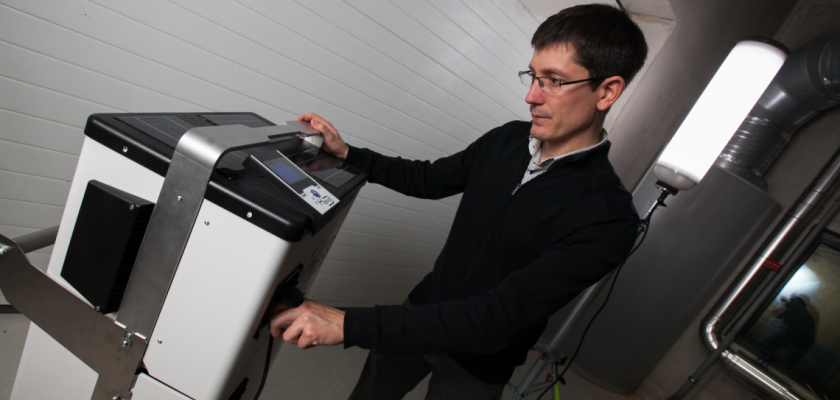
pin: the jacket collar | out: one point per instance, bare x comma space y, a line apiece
602, 146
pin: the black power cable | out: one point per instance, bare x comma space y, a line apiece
665, 191
288, 294
643, 234
265, 370
609, 292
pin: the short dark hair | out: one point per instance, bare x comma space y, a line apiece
606, 41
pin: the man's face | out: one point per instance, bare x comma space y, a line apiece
570, 115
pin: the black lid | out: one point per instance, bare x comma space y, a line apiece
151, 138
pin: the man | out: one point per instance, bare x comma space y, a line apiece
543, 216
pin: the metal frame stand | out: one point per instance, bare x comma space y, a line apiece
115, 349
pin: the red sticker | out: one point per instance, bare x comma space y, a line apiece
771, 264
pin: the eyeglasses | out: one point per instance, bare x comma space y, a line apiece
548, 85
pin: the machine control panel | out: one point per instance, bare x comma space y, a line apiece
283, 173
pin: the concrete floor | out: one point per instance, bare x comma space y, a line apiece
322, 372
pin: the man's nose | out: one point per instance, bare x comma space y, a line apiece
535, 94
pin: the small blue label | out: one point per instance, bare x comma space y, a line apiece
315, 193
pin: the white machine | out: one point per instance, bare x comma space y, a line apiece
179, 233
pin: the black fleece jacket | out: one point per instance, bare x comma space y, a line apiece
514, 256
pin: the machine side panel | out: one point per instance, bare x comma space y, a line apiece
147, 388
226, 275
204, 338
49, 371
316, 249
103, 164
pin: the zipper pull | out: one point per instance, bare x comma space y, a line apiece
515, 189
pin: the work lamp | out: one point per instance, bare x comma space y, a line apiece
727, 100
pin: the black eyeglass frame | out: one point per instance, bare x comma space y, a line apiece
559, 84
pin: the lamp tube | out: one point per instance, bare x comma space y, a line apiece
733, 91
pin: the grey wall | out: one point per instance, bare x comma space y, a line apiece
705, 32
796, 167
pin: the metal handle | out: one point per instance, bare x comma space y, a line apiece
37, 240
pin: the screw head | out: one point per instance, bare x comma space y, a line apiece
116, 397
125, 343
2, 252
249, 215
96, 308
206, 222
160, 341
178, 198
125, 149
131, 207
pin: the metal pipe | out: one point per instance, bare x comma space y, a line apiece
756, 378
808, 83
37, 240
771, 251
792, 262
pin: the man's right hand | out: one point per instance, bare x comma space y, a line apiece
333, 142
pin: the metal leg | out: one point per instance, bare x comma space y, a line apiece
539, 366
37, 240
95, 338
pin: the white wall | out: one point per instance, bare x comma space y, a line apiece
419, 79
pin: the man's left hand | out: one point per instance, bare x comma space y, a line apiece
312, 324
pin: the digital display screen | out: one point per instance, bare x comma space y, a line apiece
285, 172
324, 166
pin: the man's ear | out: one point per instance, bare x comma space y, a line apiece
608, 92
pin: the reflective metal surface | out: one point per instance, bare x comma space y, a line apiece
808, 83
37, 240
757, 379
774, 247
196, 155
92, 337
792, 99
793, 262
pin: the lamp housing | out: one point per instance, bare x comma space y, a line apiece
727, 100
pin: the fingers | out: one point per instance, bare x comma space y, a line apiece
306, 117
292, 334
322, 125
315, 119
312, 324
280, 320
302, 333
333, 142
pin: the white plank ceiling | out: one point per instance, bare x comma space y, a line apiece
418, 79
